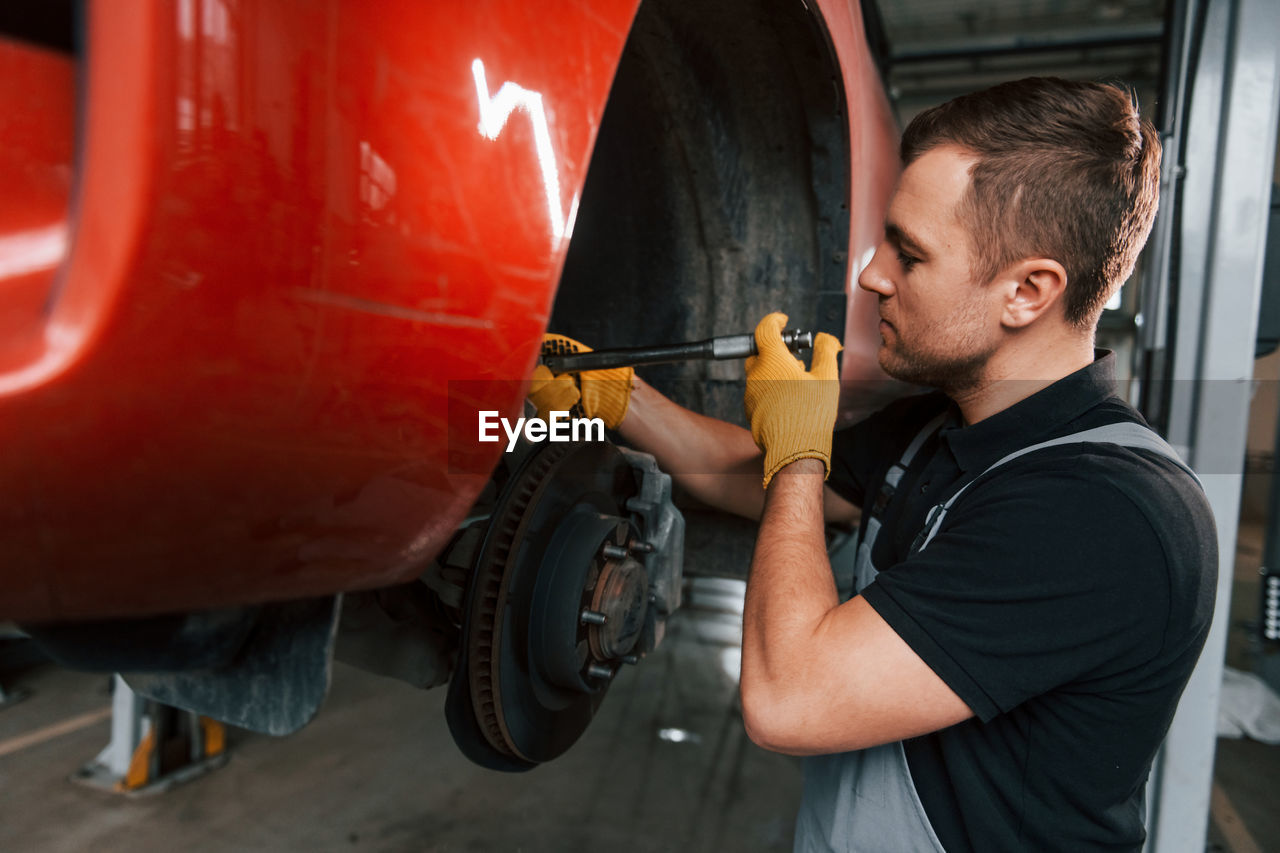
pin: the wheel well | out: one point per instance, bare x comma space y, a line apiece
717, 190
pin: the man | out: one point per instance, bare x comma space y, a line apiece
1034, 582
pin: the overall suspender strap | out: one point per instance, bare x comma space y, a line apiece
863, 571
894, 475
1126, 434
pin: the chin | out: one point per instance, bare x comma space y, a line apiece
897, 370
885, 360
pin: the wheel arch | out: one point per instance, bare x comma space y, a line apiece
719, 188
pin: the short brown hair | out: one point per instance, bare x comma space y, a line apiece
1065, 170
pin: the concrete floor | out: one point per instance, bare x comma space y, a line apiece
377, 770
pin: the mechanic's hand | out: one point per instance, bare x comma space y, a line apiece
792, 411
604, 394
551, 393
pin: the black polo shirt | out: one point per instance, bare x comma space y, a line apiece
1065, 599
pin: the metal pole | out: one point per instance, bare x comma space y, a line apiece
1230, 150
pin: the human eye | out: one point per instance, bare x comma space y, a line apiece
906, 261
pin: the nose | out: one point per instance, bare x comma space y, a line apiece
874, 278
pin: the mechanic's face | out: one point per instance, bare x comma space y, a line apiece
937, 327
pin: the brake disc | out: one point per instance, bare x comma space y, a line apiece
555, 603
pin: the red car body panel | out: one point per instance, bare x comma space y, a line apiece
295, 228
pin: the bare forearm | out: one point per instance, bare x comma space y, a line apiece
804, 691
716, 461
789, 593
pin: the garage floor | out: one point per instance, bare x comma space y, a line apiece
665, 766
377, 770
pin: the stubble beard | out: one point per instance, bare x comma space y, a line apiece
950, 373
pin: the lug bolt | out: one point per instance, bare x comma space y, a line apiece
639, 547
599, 670
631, 659
613, 552
592, 617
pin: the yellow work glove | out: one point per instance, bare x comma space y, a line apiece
792, 410
604, 394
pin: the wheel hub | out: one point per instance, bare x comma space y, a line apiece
620, 596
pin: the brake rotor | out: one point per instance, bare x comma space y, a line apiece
553, 607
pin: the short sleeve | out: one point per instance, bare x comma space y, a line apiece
1039, 578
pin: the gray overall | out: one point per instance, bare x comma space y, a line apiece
865, 800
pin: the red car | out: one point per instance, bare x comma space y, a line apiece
262, 262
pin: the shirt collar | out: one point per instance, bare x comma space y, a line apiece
1032, 419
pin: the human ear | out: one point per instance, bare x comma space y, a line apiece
1033, 286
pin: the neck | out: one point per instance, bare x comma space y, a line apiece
1019, 368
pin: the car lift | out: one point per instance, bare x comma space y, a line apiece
153, 747
1200, 301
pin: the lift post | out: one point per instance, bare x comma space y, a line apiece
1200, 307
153, 747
